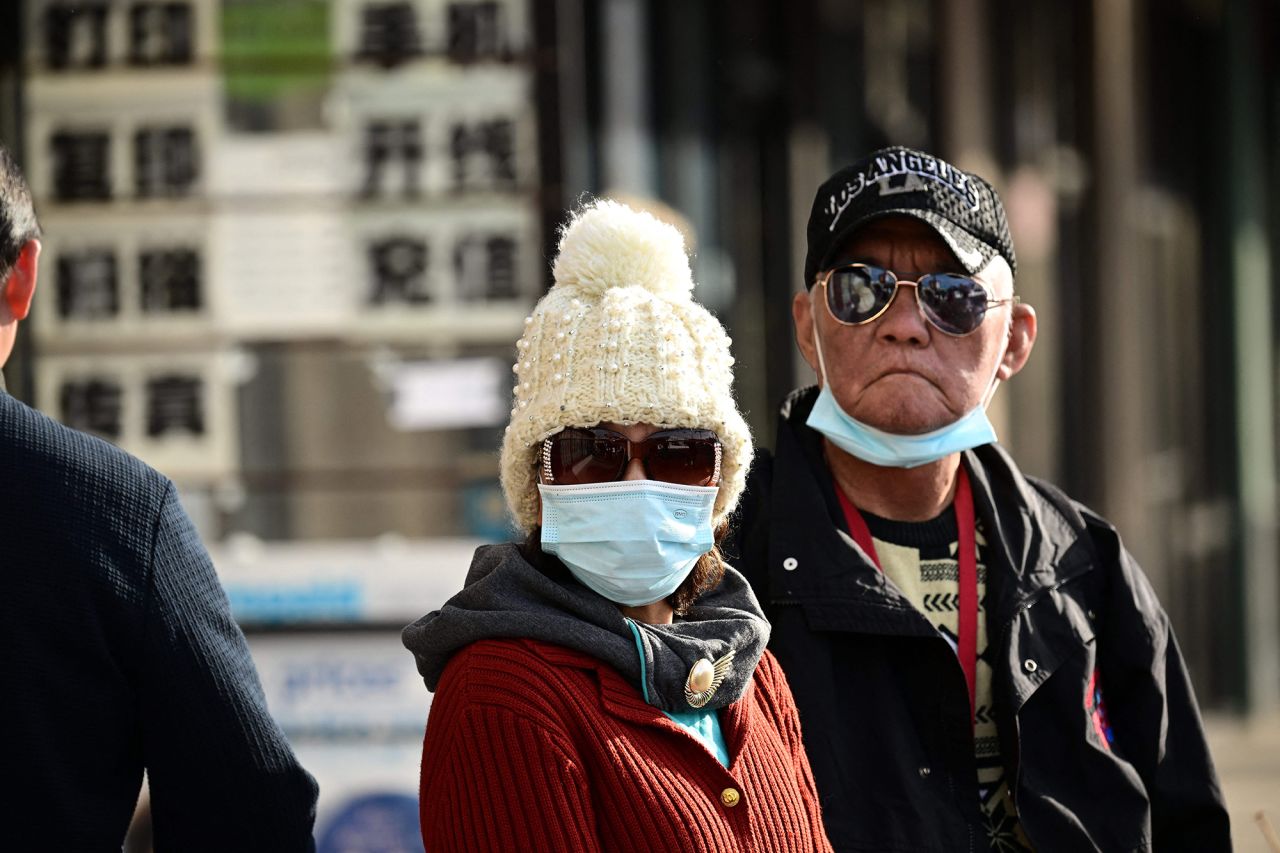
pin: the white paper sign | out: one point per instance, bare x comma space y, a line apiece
469, 392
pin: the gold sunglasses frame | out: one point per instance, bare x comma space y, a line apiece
899, 283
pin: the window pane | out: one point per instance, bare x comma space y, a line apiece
170, 280
160, 34
165, 161
81, 165
75, 35
92, 405
86, 285
389, 34
175, 404
475, 32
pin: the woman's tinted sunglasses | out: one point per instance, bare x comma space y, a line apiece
576, 455
951, 303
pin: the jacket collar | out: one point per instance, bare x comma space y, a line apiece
1035, 542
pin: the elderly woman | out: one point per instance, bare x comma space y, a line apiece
604, 686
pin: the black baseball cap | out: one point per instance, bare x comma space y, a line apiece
960, 206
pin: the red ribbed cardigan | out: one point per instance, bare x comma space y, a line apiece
531, 746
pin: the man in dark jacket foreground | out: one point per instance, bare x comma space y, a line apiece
978, 662
119, 651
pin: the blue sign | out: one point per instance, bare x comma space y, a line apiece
374, 823
484, 512
340, 600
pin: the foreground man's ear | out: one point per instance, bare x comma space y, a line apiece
15, 300
21, 285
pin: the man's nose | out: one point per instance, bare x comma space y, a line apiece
901, 322
634, 470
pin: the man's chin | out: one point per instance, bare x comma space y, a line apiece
906, 425
893, 417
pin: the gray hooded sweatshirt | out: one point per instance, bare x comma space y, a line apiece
506, 596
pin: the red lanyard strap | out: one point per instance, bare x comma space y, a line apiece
858, 527
967, 633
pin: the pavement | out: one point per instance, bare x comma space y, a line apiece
1247, 754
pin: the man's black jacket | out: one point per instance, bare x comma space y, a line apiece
119, 655
883, 701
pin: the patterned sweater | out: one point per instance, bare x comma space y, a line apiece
532, 746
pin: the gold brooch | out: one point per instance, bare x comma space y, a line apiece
705, 679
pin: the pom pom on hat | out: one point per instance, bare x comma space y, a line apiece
618, 338
610, 245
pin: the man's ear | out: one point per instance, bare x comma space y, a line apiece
21, 286
1022, 337
802, 317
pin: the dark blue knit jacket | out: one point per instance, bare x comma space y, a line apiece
118, 653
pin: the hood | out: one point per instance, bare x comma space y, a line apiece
505, 596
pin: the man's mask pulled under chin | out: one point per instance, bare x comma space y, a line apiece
891, 450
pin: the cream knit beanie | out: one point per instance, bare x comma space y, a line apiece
619, 338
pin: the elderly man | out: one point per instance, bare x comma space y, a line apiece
978, 662
120, 653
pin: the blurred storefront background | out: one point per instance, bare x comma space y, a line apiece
290, 244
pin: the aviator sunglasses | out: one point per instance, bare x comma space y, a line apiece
686, 457
951, 303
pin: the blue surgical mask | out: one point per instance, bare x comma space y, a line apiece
891, 450
632, 541
897, 451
